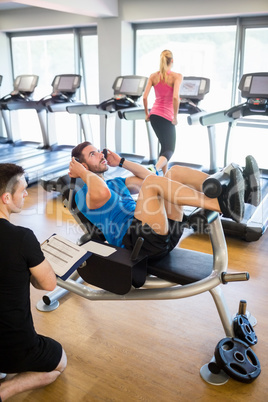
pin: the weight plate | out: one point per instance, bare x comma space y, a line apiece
237, 360
244, 330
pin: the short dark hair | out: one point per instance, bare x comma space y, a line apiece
9, 177
77, 151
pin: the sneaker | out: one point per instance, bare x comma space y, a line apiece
231, 200
153, 169
251, 174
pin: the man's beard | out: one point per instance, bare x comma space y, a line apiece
98, 169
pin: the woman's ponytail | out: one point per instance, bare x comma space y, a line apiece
165, 61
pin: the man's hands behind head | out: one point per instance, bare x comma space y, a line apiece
76, 169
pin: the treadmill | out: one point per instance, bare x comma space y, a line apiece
13, 149
192, 91
253, 87
127, 90
64, 88
48, 157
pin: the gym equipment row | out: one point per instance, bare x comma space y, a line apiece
182, 273
36, 157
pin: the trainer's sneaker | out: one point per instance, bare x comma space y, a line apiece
231, 200
251, 174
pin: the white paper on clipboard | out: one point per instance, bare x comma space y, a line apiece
98, 248
63, 255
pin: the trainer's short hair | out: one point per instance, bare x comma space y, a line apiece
9, 177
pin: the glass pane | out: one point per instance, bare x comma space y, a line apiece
256, 55
45, 56
250, 140
197, 51
91, 80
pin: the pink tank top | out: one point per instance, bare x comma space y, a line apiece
163, 105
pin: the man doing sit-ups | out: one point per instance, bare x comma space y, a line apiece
157, 214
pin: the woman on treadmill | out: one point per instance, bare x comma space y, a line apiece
163, 115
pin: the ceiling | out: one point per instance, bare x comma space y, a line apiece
91, 8
10, 6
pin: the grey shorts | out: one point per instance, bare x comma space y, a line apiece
155, 246
44, 357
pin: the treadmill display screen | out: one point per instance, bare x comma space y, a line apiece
66, 84
189, 88
259, 86
130, 86
26, 84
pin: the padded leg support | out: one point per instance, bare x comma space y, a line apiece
212, 186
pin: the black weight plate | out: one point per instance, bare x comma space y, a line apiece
237, 360
244, 330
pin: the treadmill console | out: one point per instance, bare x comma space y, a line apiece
254, 87
127, 90
192, 91
25, 84
65, 86
194, 88
130, 85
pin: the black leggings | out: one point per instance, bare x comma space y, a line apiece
166, 134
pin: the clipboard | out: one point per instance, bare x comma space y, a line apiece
63, 255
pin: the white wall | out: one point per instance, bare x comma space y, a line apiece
5, 65
150, 10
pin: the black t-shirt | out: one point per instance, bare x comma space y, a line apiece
19, 251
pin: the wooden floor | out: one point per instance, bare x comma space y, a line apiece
145, 350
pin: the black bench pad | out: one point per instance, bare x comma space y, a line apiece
182, 266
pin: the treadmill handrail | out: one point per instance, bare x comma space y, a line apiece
86, 109
209, 119
138, 113
134, 113
27, 104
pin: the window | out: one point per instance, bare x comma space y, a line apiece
255, 53
206, 51
47, 55
251, 137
